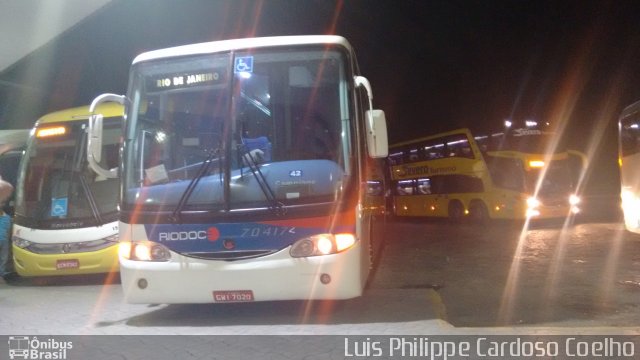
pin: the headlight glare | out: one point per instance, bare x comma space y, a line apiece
144, 251
344, 241
322, 244
124, 250
574, 200
533, 203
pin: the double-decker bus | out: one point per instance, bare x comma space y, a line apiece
244, 172
66, 215
509, 174
629, 162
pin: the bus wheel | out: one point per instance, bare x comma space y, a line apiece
478, 212
456, 211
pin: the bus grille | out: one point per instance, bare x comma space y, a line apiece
554, 202
229, 255
70, 248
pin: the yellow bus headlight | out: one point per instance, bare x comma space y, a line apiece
533, 203
574, 200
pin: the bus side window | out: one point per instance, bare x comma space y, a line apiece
424, 186
395, 159
630, 138
413, 156
404, 187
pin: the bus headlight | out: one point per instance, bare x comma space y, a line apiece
144, 251
574, 200
532, 207
533, 203
20, 242
322, 244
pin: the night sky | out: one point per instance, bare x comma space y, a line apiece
433, 65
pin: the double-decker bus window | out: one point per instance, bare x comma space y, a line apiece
457, 146
423, 186
442, 184
405, 187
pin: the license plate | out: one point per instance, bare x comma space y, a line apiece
67, 264
233, 296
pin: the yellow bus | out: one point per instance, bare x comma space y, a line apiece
508, 174
66, 218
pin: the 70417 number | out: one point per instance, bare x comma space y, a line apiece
267, 231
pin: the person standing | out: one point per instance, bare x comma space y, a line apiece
6, 189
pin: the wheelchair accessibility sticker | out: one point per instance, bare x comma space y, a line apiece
59, 207
243, 64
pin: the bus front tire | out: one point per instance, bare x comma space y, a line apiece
478, 212
455, 211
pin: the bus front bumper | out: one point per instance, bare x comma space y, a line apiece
276, 276
29, 264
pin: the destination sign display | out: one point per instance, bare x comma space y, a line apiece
178, 81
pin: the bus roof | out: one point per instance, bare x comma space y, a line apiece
13, 139
630, 110
81, 113
239, 44
434, 136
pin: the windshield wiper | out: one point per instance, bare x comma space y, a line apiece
202, 170
78, 170
252, 163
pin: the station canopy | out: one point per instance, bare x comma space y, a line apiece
26, 25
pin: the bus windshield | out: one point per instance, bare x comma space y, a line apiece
238, 130
556, 181
59, 190
510, 173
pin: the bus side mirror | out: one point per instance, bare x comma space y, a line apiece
95, 137
377, 141
94, 145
